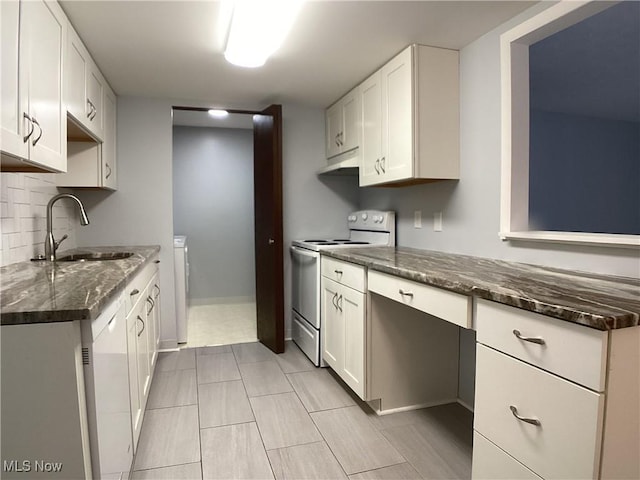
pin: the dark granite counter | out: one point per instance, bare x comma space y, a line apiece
597, 301
44, 292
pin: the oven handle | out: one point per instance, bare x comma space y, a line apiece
305, 252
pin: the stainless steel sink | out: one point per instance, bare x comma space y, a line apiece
94, 257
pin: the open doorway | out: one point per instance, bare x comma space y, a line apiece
232, 224
213, 207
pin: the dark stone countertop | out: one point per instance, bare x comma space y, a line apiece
45, 292
598, 301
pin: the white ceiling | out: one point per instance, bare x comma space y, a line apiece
174, 49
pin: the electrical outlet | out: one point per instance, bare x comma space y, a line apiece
437, 222
417, 219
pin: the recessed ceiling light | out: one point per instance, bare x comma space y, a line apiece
258, 28
218, 113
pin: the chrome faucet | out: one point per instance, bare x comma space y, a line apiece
50, 244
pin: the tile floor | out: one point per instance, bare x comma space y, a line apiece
221, 324
242, 412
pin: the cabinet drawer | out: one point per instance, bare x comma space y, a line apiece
492, 463
572, 351
449, 306
566, 444
345, 273
135, 288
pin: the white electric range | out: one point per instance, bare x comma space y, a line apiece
367, 228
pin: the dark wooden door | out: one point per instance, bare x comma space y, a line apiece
267, 180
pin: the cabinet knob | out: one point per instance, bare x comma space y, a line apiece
135, 291
156, 261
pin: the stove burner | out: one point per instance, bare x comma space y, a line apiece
314, 241
350, 242
341, 240
327, 243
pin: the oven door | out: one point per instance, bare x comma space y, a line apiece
305, 284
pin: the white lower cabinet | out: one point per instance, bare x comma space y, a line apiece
493, 463
343, 321
134, 391
553, 398
107, 391
142, 298
549, 424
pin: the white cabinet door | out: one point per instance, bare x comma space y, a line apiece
13, 100
108, 154
156, 313
142, 348
44, 27
351, 124
397, 118
95, 93
76, 66
343, 332
111, 399
84, 87
342, 122
371, 106
332, 325
351, 306
333, 127
134, 390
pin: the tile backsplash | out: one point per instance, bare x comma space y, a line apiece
23, 203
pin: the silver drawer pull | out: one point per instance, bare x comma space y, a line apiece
538, 340
405, 294
532, 421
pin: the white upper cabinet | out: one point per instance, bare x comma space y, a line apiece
410, 118
83, 87
33, 112
91, 164
108, 155
343, 124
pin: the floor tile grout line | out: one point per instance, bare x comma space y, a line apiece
195, 354
327, 444
273, 473
166, 466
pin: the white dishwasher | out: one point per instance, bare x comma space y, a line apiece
106, 370
181, 266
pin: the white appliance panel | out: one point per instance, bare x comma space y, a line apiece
306, 337
305, 284
181, 269
107, 389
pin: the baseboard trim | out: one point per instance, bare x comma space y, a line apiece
195, 302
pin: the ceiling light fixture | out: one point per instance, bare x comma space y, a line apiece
218, 113
258, 28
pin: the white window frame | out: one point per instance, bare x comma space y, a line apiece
514, 60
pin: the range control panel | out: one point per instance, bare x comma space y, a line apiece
373, 220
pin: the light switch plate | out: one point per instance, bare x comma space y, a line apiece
417, 219
437, 222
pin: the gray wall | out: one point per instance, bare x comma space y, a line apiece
584, 174
213, 207
140, 211
471, 206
